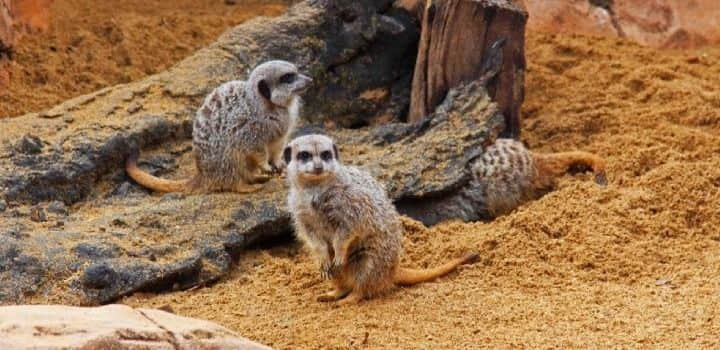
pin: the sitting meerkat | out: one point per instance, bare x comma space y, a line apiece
347, 220
239, 132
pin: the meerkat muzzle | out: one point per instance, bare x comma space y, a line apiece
304, 83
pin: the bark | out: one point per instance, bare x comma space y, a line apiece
456, 34
7, 36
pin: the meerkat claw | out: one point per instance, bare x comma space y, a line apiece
326, 270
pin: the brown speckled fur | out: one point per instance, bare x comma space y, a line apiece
508, 174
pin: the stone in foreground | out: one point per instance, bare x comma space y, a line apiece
110, 327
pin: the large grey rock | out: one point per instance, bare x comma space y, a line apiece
111, 327
115, 238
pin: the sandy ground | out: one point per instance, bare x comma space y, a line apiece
92, 44
633, 265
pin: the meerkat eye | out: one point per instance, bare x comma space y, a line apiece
288, 78
304, 156
326, 155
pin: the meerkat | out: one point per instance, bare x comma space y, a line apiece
507, 174
348, 222
239, 132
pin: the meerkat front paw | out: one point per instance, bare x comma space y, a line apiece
260, 178
329, 269
267, 168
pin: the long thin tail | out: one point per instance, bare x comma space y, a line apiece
553, 165
408, 277
152, 182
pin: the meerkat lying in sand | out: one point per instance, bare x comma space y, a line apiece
347, 220
239, 132
508, 174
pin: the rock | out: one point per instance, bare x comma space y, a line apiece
57, 207
97, 250
659, 23
362, 73
570, 16
3, 205
29, 144
111, 327
134, 107
99, 276
37, 214
670, 23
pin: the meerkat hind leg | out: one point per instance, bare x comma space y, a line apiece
352, 298
335, 294
341, 290
247, 188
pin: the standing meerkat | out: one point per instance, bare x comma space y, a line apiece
507, 174
239, 132
347, 220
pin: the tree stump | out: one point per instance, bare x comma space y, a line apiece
6, 29
455, 36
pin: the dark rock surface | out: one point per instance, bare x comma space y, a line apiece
104, 237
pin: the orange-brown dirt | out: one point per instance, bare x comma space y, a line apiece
93, 44
633, 265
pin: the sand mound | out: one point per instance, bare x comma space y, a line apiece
91, 44
632, 265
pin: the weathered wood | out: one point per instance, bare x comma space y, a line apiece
7, 36
455, 37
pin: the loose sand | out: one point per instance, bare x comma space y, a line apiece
636, 264
92, 44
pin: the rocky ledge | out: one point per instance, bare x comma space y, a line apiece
111, 327
74, 229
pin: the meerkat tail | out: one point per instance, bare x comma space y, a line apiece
556, 164
408, 277
152, 182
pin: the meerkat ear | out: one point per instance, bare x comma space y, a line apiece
287, 154
337, 154
264, 89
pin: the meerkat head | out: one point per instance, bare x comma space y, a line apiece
311, 160
278, 82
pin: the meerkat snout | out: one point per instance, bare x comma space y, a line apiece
279, 82
311, 159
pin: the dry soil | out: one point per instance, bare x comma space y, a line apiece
92, 44
633, 265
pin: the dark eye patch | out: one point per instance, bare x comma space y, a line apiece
304, 156
326, 155
288, 78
